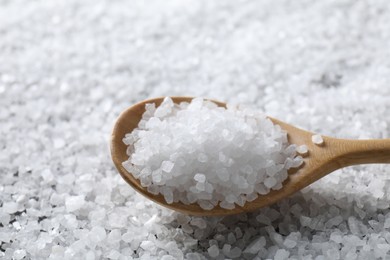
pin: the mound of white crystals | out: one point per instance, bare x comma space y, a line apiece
199, 152
69, 67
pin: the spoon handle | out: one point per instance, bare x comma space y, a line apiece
352, 152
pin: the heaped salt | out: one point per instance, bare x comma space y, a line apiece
198, 152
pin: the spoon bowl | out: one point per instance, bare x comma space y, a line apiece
320, 160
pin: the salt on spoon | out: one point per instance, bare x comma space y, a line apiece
200, 153
331, 155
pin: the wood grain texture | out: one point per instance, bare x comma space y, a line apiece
320, 160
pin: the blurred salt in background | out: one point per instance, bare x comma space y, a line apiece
68, 68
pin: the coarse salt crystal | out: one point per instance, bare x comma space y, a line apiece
302, 149
317, 139
167, 166
255, 246
213, 251
74, 203
19, 254
282, 254
200, 177
10, 207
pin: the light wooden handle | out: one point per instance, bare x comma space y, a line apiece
352, 152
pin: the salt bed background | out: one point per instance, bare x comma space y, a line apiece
67, 69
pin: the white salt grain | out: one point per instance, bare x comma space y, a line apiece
19, 254
187, 229
251, 197
213, 251
201, 166
235, 252
289, 243
97, 234
168, 195
128, 237
74, 203
199, 222
302, 149
148, 246
199, 177
226, 205
114, 255
10, 207
283, 254
231, 238
297, 161
255, 246
167, 166
114, 236
317, 139
270, 182
226, 249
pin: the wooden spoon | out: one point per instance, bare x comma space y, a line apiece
321, 160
